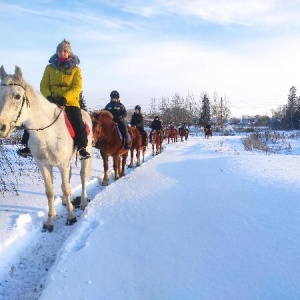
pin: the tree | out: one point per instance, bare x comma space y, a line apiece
292, 107
205, 116
82, 102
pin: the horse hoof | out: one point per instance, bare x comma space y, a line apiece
129, 166
48, 228
71, 221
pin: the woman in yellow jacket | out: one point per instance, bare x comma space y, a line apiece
62, 84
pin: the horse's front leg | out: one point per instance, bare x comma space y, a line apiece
105, 168
47, 173
84, 173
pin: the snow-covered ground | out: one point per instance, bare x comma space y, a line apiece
203, 220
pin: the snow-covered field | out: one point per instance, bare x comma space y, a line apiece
203, 220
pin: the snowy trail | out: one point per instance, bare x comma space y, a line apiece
27, 275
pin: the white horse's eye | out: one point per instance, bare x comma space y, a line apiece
17, 97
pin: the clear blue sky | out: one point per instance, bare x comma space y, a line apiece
245, 50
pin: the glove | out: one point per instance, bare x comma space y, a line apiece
51, 99
61, 101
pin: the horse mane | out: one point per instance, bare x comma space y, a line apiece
106, 114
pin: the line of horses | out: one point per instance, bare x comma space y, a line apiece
52, 146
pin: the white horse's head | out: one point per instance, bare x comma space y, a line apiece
13, 101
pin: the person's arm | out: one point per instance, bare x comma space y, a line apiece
45, 83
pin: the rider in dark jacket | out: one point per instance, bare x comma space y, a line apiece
155, 125
119, 112
137, 120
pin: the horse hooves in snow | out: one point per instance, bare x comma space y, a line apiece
71, 221
48, 228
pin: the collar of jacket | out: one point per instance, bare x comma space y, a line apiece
72, 62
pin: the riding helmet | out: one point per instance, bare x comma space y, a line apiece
138, 107
114, 95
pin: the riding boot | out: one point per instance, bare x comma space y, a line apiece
124, 132
24, 141
75, 117
150, 136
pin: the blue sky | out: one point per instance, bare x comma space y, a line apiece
246, 51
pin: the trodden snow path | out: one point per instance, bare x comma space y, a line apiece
26, 267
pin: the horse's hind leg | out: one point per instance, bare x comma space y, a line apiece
47, 174
131, 159
66, 189
83, 175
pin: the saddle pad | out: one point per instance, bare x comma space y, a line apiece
71, 129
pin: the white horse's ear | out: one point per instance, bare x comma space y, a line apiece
18, 73
3, 74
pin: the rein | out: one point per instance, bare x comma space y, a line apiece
25, 98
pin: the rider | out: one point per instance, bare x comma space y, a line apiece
137, 120
155, 125
62, 84
119, 112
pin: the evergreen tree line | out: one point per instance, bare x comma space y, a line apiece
287, 117
190, 110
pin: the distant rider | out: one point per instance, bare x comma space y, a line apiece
137, 120
155, 125
119, 112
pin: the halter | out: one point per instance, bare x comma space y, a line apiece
25, 98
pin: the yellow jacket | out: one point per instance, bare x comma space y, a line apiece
59, 81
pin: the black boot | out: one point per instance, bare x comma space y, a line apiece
25, 152
84, 154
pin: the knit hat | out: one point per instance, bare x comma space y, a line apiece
64, 45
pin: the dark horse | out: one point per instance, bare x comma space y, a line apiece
137, 145
172, 135
183, 133
207, 133
157, 139
107, 139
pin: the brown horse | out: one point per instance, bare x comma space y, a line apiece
207, 133
172, 135
107, 139
137, 145
157, 139
184, 133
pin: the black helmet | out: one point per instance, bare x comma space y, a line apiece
114, 95
138, 107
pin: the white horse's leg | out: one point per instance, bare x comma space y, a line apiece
66, 189
83, 175
47, 173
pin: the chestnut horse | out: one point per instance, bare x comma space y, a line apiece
183, 133
172, 135
107, 139
207, 133
157, 139
137, 145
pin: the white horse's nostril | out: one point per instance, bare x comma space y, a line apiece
2, 128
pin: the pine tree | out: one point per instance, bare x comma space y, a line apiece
82, 102
292, 106
205, 110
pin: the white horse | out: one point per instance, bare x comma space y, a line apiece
50, 142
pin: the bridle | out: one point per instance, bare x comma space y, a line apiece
25, 99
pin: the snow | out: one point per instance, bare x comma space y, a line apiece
202, 220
